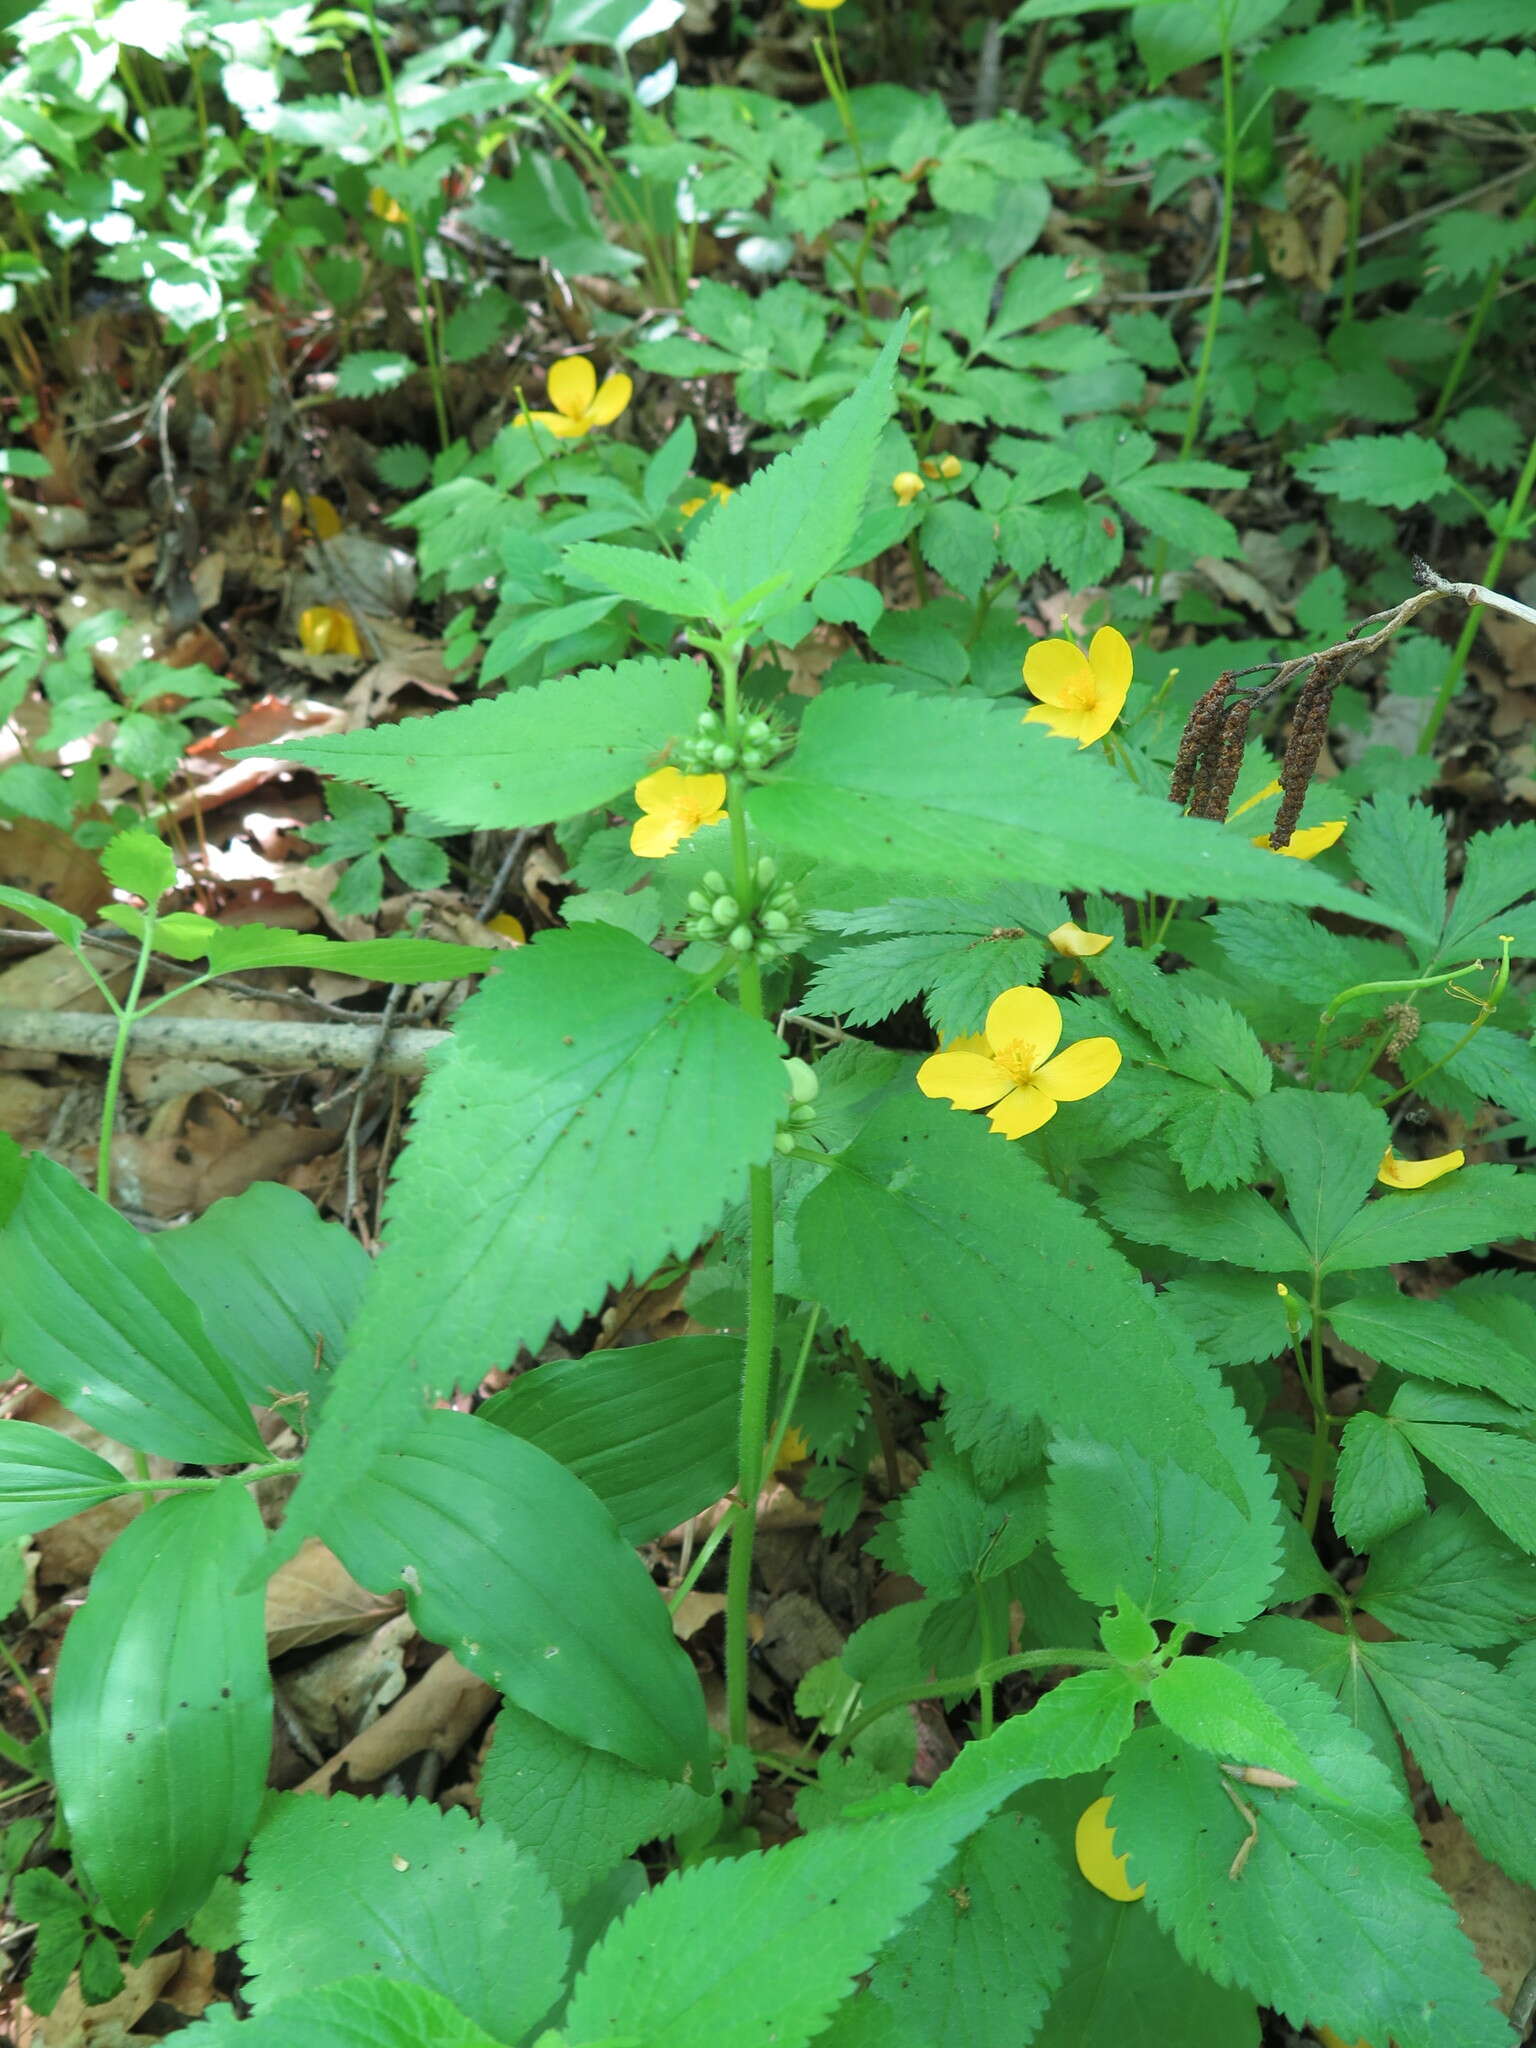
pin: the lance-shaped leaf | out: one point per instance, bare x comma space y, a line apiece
45, 1477
88, 1313
595, 1112
526, 756
242, 948
512, 1564
959, 791
163, 1711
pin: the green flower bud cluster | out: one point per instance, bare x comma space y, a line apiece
804, 1087
767, 924
710, 752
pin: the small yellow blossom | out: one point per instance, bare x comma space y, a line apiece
384, 207
1073, 943
510, 927
906, 483
1081, 695
942, 466
822, 6
1417, 1173
1094, 1842
580, 402
309, 518
328, 629
723, 492
1008, 1070
675, 806
1309, 842
793, 1451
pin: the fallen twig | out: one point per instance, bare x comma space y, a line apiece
289, 1047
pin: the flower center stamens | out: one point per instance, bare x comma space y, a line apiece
1018, 1060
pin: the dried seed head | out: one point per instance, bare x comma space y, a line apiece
1203, 724
1309, 729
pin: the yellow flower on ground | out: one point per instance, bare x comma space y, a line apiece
580, 402
1309, 842
1073, 943
1081, 695
328, 629
1417, 1173
1008, 1069
312, 517
510, 927
822, 6
1094, 1842
675, 806
723, 492
906, 483
942, 466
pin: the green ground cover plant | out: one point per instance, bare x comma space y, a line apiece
1083, 1077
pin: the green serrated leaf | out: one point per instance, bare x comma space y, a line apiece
1079, 1725
1400, 1967
1215, 1140
527, 756
574, 1809
370, 372
1397, 470
657, 581
406, 1890
1213, 1703
1451, 1577
1397, 848
1143, 1196
62, 923
1496, 1469
1327, 1149
358, 2012
140, 863
1430, 1339
961, 791
1378, 1487
1123, 1524
1476, 1205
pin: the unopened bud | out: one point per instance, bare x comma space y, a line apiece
724, 756
697, 900
725, 910
709, 721
714, 882
802, 1113
767, 868
740, 940
803, 1084
774, 921
759, 732
783, 1142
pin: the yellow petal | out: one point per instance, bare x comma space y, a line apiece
326, 629
510, 927
1083, 1069
664, 791
688, 507
1417, 1173
968, 1041
572, 385
1028, 1013
344, 638
654, 836
290, 509
1308, 843
381, 204
821, 6
1269, 789
1025, 1110
324, 519
1066, 725
1094, 1842
1109, 656
906, 483
1074, 943
1057, 672
967, 1079
705, 795
557, 424
612, 397
1097, 721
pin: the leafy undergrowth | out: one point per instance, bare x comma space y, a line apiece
659, 569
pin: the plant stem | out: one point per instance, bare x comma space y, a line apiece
1472, 332
707, 1549
1317, 1394
969, 1681
987, 1618
119, 1054
1508, 532
278, 1469
1223, 246
39, 1711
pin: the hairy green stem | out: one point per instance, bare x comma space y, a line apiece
1508, 533
971, 1681
125, 1019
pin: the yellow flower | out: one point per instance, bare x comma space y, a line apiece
944, 465
1008, 1069
1081, 695
510, 927
1094, 1842
822, 6
723, 492
328, 629
308, 518
1309, 842
1074, 943
384, 207
675, 806
1417, 1173
906, 483
580, 403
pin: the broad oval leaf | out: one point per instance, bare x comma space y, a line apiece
651, 1428
88, 1313
45, 1477
526, 756
275, 1283
163, 1711
510, 1562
